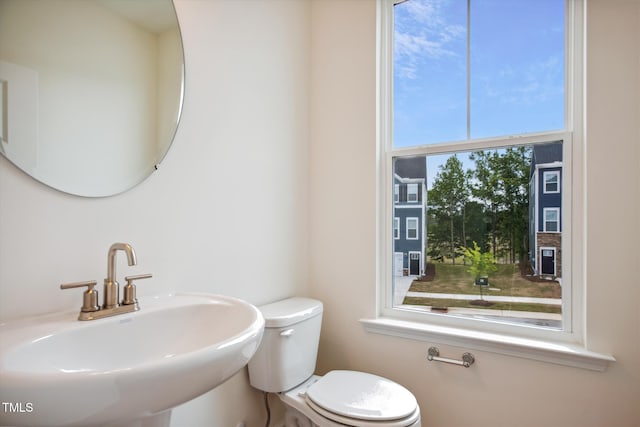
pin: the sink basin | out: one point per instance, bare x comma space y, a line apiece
56, 370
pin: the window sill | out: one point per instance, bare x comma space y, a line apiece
558, 353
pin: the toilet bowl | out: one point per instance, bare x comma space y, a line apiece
358, 404
285, 361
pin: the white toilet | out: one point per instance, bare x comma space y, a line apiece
286, 360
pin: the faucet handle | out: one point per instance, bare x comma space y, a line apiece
129, 289
89, 297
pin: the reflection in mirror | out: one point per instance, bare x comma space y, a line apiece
93, 90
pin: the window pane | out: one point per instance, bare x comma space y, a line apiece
412, 228
517, 66
551, 215
495, 69
429, 72
412, 192
551, 182
551, 219
484, 216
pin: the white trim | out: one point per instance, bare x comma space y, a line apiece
565, 346
557, 164
409, 206
419, 253
555, 258
574, 355
414, 187
384, 165
417, 228
408, 180
544, 220
396, 228
544, 181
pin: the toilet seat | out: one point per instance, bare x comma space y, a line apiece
362, 399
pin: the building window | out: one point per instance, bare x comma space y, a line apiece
481, 95
396, 228
551, 181
412, 228
551, 219
396, 192
412, 193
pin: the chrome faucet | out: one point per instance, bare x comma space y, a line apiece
111, 286
90, 309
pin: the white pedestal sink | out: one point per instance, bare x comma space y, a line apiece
129, 369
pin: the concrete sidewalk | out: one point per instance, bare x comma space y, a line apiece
494, 298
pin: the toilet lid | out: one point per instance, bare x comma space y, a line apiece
362, 396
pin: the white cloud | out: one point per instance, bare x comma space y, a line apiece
422, 33
524, 84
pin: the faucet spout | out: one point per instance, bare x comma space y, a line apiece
111, 288
111, 258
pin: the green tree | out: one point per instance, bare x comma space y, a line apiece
476, 224
486, 189
448, 196
501, 184
482, 263
513, 169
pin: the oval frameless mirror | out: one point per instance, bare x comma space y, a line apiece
90, 91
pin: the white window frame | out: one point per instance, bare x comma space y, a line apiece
565, 347
544, 182
416, 228
396, 228
396, 193
412, 190
555, 257
544, 220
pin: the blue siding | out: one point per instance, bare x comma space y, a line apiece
548, 200
402, 244
409, 172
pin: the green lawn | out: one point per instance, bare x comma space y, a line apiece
506, 281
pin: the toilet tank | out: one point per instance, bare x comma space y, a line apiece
287, 354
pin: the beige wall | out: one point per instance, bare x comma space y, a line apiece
225, 213
498, 390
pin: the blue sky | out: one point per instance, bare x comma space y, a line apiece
516, 68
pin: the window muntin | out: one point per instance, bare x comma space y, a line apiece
399, 144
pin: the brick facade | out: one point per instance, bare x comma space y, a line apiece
550, 240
